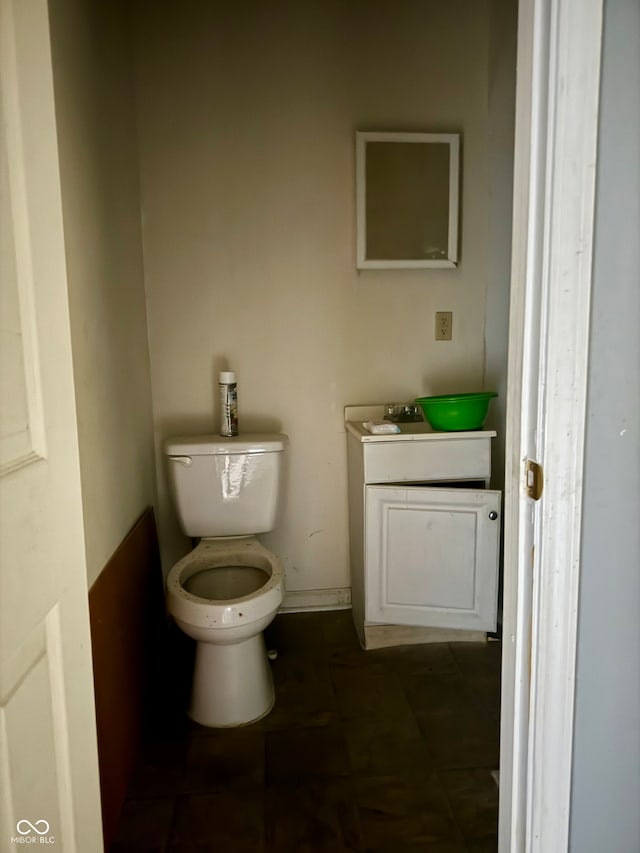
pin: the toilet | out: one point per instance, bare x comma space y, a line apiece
227, 590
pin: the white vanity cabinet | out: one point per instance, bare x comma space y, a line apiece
424, 530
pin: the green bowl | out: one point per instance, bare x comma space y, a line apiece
456, 412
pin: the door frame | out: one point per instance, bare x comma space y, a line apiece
557, 98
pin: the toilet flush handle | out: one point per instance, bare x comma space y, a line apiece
187, 461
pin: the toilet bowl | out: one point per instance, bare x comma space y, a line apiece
226, 491
223, 595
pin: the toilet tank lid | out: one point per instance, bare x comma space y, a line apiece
212, 445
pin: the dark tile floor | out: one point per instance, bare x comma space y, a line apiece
388, 750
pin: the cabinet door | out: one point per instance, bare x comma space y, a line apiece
432, 556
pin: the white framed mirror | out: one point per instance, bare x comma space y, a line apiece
407, 187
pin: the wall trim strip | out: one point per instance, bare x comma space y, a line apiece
299, 600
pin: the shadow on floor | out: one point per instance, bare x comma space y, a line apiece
387, 750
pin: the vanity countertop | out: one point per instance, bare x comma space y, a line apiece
356, 416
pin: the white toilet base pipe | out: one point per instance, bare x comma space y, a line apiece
232, 684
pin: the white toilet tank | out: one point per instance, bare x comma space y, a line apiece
226, 486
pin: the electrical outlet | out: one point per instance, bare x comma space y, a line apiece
444, 325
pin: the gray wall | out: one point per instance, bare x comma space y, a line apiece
93, 75
605, 813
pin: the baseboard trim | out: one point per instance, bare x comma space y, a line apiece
300, 600
383, 636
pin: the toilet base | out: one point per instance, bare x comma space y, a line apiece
232, 684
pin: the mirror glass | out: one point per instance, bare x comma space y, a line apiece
407, 197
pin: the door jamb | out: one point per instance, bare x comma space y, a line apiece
559, 52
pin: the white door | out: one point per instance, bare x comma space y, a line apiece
522, 427
49, 789
431, 556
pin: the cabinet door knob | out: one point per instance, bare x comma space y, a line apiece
493, 515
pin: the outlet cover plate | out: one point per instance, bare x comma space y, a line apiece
444, 325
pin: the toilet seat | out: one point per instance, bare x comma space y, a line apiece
228, 612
